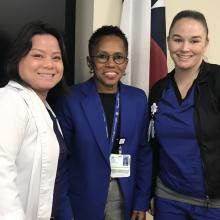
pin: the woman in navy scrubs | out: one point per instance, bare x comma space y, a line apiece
185, 113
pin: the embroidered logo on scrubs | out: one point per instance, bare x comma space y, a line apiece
153, 109
151, 129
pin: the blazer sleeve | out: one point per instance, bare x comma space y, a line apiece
144, 164
13, 122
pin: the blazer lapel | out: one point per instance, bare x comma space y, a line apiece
128, 117
92, 107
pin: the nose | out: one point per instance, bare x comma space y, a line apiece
48, 63
110, 61
185, 46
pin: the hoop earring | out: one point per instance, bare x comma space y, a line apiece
91, 71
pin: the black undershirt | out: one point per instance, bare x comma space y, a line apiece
108, 103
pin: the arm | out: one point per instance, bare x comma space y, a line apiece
13, 122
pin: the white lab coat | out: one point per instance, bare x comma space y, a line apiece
28, 155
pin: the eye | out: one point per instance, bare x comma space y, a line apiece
37, 55
118, 57
177, 40
57, 58
195, 41
102, 56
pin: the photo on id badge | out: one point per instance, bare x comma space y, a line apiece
125, 160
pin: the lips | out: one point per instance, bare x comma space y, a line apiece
46, 75
184, 57
110, 74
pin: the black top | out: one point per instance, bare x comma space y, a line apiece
61, 169
108, 103
62, 145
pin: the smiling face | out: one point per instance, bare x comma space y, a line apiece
187, 43
42, 67
107, 75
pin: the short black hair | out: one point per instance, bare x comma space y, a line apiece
106, 30
23, 44
196, 15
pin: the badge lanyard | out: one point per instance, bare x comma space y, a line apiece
115, 122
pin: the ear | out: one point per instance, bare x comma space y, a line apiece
206, 46
126, 63
168, 42
88, 59
90, 64
207, 42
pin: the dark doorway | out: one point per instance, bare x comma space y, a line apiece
59, 13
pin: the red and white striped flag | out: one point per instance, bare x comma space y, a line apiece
143, 22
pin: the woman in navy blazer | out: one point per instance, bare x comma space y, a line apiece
104, 123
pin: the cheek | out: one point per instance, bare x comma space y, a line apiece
97, 67
61, 68
169, 45
23, 69
172, 48
199, 51
123, 68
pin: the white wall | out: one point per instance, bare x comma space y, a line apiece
106, 12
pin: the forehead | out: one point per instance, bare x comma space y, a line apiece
45, 41
110, 42
187, 26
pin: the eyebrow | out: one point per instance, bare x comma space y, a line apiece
117, 52
37, 49
177, 35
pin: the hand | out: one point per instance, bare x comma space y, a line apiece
138, 215
151, 209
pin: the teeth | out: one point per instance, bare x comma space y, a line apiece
111, 74
185, 56
47, 75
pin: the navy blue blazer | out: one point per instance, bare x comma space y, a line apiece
83, 126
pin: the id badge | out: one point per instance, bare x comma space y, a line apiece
120, 165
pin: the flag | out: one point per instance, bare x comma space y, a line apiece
143, 22
158, 60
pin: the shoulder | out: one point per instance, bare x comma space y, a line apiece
12, 104
79, 89
11, 96
158, 87
75, 96
211, 74
133, 91
212, 69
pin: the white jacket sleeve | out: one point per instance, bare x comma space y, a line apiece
13, 122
